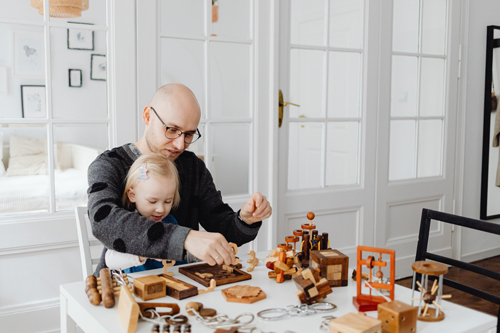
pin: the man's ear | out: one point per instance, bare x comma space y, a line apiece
131, 195
146, 115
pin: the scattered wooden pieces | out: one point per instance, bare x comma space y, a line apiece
178, 289
196, 306
253, 261
206, 312
166, 265
243, 294
213, 284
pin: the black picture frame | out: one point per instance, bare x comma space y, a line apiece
71, 82
94, 75
31, 113
68, 40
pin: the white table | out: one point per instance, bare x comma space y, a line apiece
76, 309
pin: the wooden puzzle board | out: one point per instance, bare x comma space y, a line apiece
220, 276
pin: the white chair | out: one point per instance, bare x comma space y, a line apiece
89, 245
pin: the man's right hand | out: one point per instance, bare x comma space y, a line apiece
210, 247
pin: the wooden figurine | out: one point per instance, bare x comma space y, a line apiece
333, 265
369, 302
178, 289
243, 294
355, 323
428, 295
166, 265
211, 288
150, 287
397, 317
253, 261
312, 288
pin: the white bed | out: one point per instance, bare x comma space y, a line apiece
20, 194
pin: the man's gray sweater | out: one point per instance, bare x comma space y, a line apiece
129, 232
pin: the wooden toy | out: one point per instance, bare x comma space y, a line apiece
143, 307
128, 310
333, 264
206, 312
150, 287
397, 317
243, 294
368, 302
220, 275
428, 296
196, 306
312, 288
253, 261
166, 265
209, 289
231, 330
108, 296
93, 288
178, 289
355, 323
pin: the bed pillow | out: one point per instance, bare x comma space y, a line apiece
27, 165
22, 146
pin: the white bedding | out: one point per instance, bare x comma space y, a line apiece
21, 194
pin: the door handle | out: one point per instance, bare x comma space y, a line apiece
282, 104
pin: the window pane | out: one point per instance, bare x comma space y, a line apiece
404, 86
95, 14
76, 146
304, 155
306, 83
231, 158
231, 18
430, 148
199, 146
344, 84
182, 17
78, 77
22, 72
342, 155
402, 150
182, 62
25, 183
405, 25
19, 10
307, 22
434, 27
346, 23
431, 87
229, 80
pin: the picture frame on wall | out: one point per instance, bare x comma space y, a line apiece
29, 54
75, 78
80, 39
33, 101
98, 67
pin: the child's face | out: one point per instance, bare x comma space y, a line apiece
153, 197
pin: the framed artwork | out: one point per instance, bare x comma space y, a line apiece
29, 57
98, 67
33, 101
75, 77
80, 39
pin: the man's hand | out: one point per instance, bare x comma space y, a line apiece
210, 247
256, 209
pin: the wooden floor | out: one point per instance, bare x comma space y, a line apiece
474, 280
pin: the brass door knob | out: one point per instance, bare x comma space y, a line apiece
282, 104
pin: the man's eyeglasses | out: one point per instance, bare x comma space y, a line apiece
174, 133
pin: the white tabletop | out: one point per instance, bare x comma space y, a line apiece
99, 319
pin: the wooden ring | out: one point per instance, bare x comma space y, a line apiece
283, 246
297, 232
307, 226
291, 239
177, 320
369, 262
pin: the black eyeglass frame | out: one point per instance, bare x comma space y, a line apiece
178, 131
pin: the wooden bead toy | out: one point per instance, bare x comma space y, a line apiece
397, 317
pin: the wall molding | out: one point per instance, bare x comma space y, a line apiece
482, 254
29, 307
38, 247
45, 315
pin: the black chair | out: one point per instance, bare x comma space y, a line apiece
422, 254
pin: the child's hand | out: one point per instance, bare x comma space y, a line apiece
210, 247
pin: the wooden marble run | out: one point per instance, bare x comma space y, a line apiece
369, 302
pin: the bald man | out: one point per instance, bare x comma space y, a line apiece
171, 121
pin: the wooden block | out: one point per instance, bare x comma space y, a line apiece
178, 289
128, 310
333, 266
243, 294
313, 292
355, 323
307, 274
316, 272
150, 287
397, 317
303, 284
281, 265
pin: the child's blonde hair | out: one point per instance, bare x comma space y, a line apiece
157, 165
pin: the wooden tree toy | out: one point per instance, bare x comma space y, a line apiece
355, 323
369, 302
333, 265
428, 296
166, 265
312, 288
253, 261
397, 317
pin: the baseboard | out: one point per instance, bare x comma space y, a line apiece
33, 317
483, 254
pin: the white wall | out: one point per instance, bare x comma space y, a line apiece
476, 245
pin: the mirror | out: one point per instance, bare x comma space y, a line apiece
490, 175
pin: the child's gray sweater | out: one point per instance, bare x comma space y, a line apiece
126, 231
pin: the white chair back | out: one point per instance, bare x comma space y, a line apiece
90, 247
